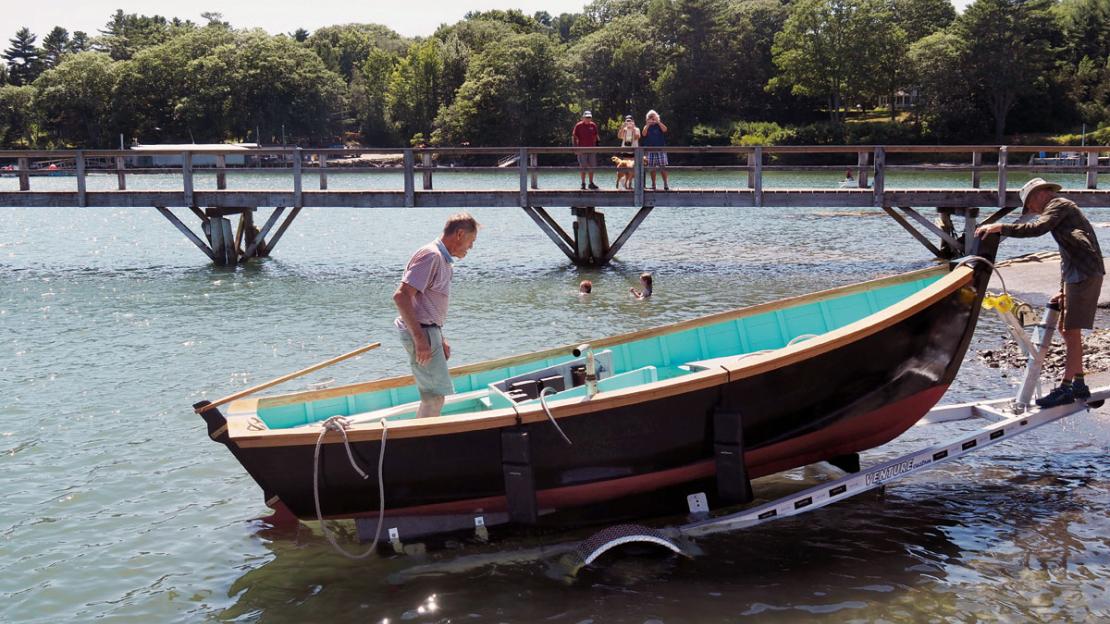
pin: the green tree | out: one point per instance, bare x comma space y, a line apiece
54, 45
1084, 69
300, 35
831, 48
75, 99
415, 89
125, 34
920, 18
79, 42
615, 66
1008, 52
24, 64
945, 105
368, 102
343, 48
515, 94
17, 116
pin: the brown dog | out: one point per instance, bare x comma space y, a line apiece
625, 170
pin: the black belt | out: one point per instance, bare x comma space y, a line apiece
429, 325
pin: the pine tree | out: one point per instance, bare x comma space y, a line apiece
23, 58
54, 45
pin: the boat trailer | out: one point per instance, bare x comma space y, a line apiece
1006, 418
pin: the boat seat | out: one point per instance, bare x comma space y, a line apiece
717, 362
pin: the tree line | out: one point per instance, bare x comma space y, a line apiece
720, 72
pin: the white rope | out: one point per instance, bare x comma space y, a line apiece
543, 403
341, 424
969, 259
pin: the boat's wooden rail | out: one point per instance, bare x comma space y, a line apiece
419, 167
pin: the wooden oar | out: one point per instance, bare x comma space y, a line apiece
285, 378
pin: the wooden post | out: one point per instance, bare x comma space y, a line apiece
971, 242
1092, 170
751, 170
323, 172
861, 167
24, 174
80, 165
221, 175
410, 192
757, 189
522, 166
298, 183
976, 162
187, 177
638, 182
1003, 152
534, 163
426, 164
880, 175
121, 164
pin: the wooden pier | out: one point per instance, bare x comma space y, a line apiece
588, 242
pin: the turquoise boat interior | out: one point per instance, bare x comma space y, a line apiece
634, 362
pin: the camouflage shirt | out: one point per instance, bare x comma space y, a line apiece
1080, 255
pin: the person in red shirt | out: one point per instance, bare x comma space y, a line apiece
585, 135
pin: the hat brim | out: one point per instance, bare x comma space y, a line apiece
1052, 186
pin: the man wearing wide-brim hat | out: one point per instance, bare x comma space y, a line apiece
1081, 271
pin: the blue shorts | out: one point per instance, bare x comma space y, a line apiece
432, 379
657, 159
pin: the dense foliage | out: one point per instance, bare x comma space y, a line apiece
719, 71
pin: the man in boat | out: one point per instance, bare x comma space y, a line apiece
1081, 272
421, 300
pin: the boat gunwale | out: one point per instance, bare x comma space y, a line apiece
573, 406
305, 396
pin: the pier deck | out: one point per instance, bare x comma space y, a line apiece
588, 243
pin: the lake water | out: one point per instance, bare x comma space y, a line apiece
116, 505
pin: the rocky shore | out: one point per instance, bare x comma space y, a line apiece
1034, 279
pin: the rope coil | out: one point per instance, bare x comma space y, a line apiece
340, 424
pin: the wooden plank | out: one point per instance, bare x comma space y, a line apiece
121, 177
932, 227
976, 162
426, 164
921, 238
1003, 153
287, 377
971, 242
638, 182
261, 238
323, 171
221, 172
564, 246
24, 173
187, 177
281, 230
861, 169
522, 169
79, 162
880, 175
1092, 170
298, 182
534, 163
410, 192
555, 227
186, 231
757, 189
627, 233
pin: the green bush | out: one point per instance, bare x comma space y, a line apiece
760, 133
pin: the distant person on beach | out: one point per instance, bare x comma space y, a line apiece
1081, 272
652, 136
645, 287
629, 134
585, 135
421, 300
585, 287
848, 175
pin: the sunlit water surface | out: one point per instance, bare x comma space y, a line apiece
117, 506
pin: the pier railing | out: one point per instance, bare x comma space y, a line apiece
306, 168
217, 183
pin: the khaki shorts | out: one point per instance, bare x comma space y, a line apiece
432, 379
1080, 303
587, 161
